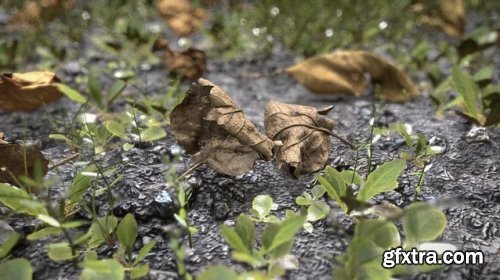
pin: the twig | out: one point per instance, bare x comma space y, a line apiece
187, 172
63, 161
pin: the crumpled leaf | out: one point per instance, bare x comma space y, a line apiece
12, 162
447, 15
211, 126
181, 16
305, 133
187, 64
344, 72
27, 91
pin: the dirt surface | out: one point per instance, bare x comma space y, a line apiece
468, 172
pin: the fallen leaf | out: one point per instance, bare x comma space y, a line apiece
305, 133
28, 91
34, 11
181, 16
187, 64
447, 15
344, 72
18, 160
209, 125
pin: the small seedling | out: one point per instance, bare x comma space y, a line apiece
261, 209
314, 208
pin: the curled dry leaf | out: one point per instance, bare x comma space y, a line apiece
447, 15
211, 126
181, 16
188, 64
28, 91
13, 163
344, 72
305, 133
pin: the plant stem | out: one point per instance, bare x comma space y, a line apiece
71, 245
420, 178
355, 165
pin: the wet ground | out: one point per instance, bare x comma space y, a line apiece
469, 171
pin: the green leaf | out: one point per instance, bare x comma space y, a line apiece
18, 269
48, 220
20, 201
127, 231
347, 177
467, 88
44, 232
484, 74
74, 224
97, 236
282, 250
80, 185
60, 252
334, 185
71, 93
422, 222
383, 179
402, 130
144, 251
233, 239
95, 89
8, 244
152, 133
318, 191
116, 129
302, 201
494, 115
219, 272
102, 270
181, 220
317, 211
274, 237
469, 117
139, 271
262, 204
381, 232
116, 90
246, 230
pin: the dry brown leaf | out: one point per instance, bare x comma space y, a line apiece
188, 64
344, 72
448, 16
211, 126
305, 133
181, 16
28, 91
36, 10
13, 163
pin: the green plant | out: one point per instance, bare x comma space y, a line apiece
182, 215
276, 244
127, 235
338, 185
261, 209
16, 269
138, 136
314, 208
473, 104
364, 257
